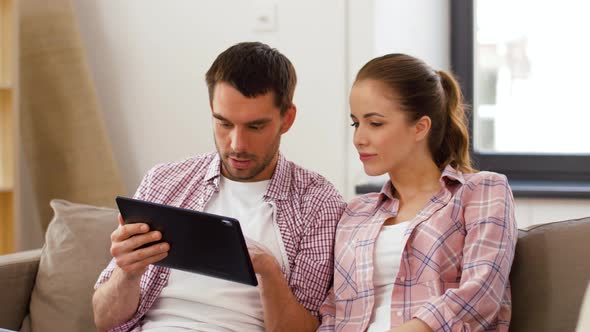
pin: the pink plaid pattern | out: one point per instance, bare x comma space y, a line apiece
454, 268
308, 210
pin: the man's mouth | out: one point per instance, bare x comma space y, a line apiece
240, 163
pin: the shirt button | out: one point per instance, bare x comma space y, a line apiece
162, 276
399, 313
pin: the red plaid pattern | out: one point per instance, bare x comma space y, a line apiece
454, 268
308, 210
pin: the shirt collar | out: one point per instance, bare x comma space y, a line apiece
449, 173
448, 176
278, 188
214, 171
280, 182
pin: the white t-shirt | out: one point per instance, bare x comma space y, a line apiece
194, 302
387, 257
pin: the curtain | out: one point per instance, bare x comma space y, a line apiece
63, 136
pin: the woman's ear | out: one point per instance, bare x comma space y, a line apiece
288, 118
422, 128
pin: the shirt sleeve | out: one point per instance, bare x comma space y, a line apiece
488, 253
147, 285
328, 312
314, 263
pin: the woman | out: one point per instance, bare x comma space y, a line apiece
432, 251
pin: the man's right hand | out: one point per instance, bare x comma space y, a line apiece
126, 238
117, 300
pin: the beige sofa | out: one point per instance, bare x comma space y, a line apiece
50, 289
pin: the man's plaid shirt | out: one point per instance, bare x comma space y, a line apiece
308, 209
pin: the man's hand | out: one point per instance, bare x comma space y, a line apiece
117, 300
263, 261
282, 311
126, 238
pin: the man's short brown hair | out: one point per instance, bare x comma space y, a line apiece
254, 69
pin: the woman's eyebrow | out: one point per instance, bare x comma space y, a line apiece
368, 115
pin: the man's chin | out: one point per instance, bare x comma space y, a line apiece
240, 174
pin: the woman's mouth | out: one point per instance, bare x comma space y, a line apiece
366, 156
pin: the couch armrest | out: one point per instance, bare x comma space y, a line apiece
17, 278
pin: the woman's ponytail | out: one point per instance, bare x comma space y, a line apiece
454, 148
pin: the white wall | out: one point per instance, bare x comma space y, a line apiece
149, 57
531, 211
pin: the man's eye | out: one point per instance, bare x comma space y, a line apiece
255, 127
355, 124
225, 124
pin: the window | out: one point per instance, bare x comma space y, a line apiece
523, 65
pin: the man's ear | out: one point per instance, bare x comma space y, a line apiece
288, 118
422, 128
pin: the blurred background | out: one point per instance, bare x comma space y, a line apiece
143, 64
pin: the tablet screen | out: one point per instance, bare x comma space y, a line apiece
200, 242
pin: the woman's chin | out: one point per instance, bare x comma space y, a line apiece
372, 171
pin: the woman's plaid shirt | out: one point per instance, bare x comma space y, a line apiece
455, 264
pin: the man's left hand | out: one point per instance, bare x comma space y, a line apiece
263, 261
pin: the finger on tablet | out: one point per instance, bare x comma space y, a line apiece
126, 231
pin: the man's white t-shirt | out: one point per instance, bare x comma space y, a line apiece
194, 302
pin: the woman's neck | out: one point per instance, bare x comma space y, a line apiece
415, 179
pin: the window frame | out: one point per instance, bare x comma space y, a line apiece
530, 175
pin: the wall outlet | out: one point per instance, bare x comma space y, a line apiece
265, 16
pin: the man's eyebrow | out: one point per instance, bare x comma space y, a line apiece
256, 122
219, 117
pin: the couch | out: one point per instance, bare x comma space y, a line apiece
50, 289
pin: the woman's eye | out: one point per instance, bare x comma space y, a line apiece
355, 124
376, 124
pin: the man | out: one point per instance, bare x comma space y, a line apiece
289, 212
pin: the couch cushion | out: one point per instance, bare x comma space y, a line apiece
75, 252
584, 320
17, 279
550, 273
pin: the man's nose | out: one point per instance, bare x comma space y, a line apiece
239, 140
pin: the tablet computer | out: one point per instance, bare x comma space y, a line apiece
200, 242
